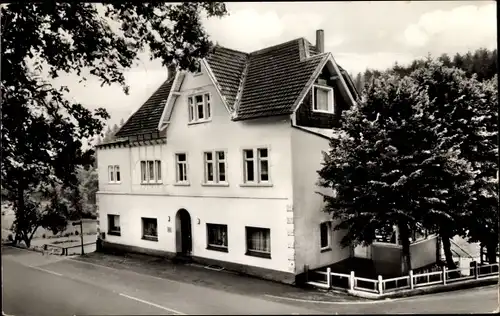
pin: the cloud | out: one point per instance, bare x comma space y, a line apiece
463, 28
249, 30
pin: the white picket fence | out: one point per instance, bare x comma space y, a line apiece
331, 280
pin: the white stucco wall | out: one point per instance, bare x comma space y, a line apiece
307, 205
235, 205
111, 157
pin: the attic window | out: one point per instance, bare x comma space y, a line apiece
197, 64
323, 99
199, 108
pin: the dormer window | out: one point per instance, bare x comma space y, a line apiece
323, 99
199, 108
197, 64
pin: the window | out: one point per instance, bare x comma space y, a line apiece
114, 225
114, 174
256, 165
258, 242
215, 167
149, 229
151, 171
323, 99
199, 108
217, 237
181, 167
198, 68
325, 233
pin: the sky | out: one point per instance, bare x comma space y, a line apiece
359, 34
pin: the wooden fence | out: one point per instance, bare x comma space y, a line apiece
331, 280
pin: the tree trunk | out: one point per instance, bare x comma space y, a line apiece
27, 241
491, 252
404, 234
445, 236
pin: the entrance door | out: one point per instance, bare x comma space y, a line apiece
184, 222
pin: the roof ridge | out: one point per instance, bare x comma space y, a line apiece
266, 49
231, 49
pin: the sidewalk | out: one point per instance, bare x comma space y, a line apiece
220, 280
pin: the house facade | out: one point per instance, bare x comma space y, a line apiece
219, 166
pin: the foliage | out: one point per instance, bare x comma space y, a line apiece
42, 131
465, 115
483, 63
388, 165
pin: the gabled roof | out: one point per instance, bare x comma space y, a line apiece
145, 120
274, 80
263, 83
228, 65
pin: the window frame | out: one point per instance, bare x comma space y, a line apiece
331, 99
193, 112
215, 247
198, 70
178, 181
149, 237
256, 252
113, 232
328, 246
113, 172
145, 166
257, 168
216, 162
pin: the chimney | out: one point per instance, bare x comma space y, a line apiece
171, 70
320, 41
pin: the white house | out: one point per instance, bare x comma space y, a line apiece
219, 166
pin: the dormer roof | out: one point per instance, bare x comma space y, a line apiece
253, 85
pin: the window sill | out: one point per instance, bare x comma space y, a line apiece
256, 185
326, 249
200, 122
264, 255
150, 238
324, 112
114, 233
217, 248
114, 183
182, 184
223, 184
151, 183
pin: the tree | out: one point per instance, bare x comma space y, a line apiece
482, 214
122, 122
386, 165
464, 115
42, 131
51, 216
358, 83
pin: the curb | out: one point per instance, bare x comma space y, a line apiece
428, 290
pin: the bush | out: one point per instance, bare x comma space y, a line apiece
71, 233
76, 233
66, 235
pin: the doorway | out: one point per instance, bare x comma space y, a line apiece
183, 233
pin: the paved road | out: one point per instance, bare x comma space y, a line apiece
36, 285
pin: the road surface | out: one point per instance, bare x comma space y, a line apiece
48, 285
